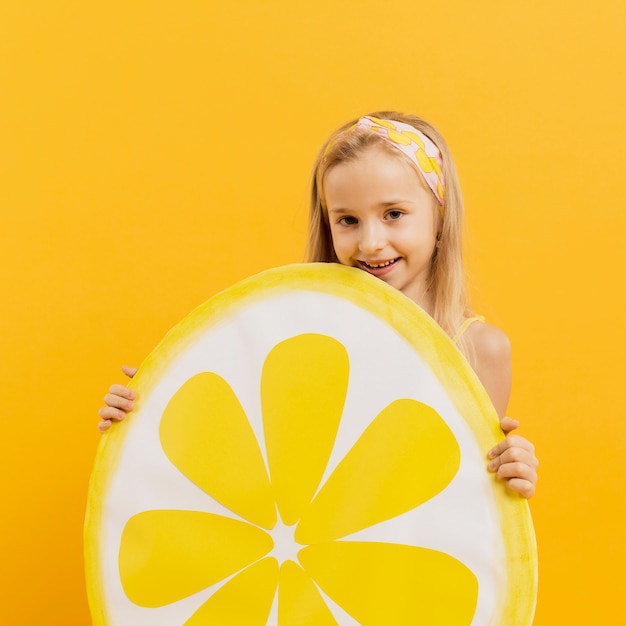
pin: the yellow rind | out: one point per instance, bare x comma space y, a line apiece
416, 327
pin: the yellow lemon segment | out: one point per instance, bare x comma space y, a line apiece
405, 456
206, 434
257, 584
299, 601
303, 388
168, 555
381, 584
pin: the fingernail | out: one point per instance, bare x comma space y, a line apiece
491, 454
492, 465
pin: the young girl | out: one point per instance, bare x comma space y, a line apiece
386, 199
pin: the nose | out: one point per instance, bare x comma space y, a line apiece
372, 237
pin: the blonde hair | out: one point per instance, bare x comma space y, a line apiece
446, 282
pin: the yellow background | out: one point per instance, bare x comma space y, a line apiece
153, 153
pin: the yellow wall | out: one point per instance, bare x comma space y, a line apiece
153, 153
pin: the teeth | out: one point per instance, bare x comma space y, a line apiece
379, 265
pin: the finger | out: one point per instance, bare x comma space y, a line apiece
506, 460
517, 470
115, 402
514, 455
508, 424
519, 478
523, 487
511, 441
129, 371
120, 397
513, 459
104, 426
122, 391
110, 414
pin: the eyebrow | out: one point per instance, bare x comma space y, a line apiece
381, 204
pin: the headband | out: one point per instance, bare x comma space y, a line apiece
416, 145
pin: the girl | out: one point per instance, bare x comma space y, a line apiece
386, 199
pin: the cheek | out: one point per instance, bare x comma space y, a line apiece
341, 243
420, 243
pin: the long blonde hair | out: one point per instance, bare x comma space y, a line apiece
446, 283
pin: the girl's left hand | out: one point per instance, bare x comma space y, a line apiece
514, 461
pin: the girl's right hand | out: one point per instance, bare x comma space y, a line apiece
119, 401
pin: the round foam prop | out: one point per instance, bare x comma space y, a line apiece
307, 447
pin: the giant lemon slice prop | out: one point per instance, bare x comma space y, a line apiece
308, 447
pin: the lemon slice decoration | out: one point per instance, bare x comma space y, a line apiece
308, 447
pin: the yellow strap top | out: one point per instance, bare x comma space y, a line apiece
466, 324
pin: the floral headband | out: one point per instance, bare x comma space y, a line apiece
416, 145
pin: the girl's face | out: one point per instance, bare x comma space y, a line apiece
383, 219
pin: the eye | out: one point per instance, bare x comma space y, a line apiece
394, 214
347, 221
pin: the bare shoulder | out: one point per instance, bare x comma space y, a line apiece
489, 354
488, 343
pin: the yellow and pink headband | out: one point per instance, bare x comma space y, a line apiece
416, 145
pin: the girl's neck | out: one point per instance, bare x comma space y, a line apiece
426, 301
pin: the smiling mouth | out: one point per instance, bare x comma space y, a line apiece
378, 268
